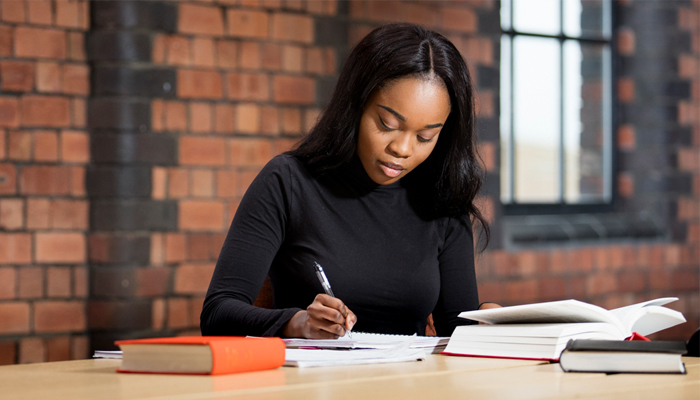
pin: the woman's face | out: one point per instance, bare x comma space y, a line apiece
400, 127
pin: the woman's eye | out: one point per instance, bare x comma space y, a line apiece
424, 140
384, 125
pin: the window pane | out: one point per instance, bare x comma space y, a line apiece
586, 123
505, 14
537, 16
587, 18
505, 115
536, 119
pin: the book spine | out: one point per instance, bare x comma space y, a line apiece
247, 355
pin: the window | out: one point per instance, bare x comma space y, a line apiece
556, 104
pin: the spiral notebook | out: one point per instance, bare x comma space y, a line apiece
363, 340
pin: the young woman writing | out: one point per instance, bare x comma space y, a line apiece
380, 193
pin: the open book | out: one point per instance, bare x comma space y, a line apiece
363, 340
541, 330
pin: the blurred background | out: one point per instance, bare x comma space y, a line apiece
129, 130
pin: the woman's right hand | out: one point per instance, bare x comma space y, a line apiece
326, 318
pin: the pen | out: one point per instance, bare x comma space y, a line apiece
326, 285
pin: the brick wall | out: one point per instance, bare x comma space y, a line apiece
188, 100
44, 150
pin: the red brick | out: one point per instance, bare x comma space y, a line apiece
484, 105
175, 247
226, 184
58, 282
330, 61
269, 120
38, 213
202, 183
292, 58
291, 120
625, 90
421, 14
158, 51
459, 19
59, 316
246, 23
9, 112
75, 146
79, 113
15, 248
631, 280
40, 43
6, 40
200, 215
58, 349
199, 84
200, 117
245, 178
293, 27
48, 77
76, 46
178, 183
80, 348
625, 185
601, 283
178, 50
551, 288
224, 118
7, 283
159, 178
39, 12
77, 181
200, 19
69, 214
314, 63
157, 314
384, 10
157, 249
522, 291
248, 118
272, 56
76, 79
686, 279
203, 52
14, 318
152, 281
175, 116
626, 137
13, 11
80, 282
11, 214
3, 152
31, 350
45, 146
31, 283
45, 180
193, 278
16, 76
296, 90
60, 248
250, 152
284, 144
8, 179
178, 313
226, 54
198, 250
625, 41
202, 151
247, 86
8, 352
68, 13
45, 111
20, 145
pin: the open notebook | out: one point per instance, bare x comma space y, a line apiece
362, 340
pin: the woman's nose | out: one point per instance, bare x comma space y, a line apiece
401, 146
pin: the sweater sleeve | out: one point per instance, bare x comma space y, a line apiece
458, 289
255, 236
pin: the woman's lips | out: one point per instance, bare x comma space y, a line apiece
391, 170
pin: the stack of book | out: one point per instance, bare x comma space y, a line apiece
542, 330
613, 356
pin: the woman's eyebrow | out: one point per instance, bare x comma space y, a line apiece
402, 118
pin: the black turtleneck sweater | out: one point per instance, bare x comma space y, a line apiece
391, 264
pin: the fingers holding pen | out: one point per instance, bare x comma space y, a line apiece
331, 315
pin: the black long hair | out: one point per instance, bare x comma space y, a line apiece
452, 172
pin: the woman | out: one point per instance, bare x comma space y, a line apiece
380, 193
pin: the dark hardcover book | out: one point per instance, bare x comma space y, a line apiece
615, 356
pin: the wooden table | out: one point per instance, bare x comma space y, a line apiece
438, 377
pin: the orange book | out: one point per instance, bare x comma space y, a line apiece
202, 355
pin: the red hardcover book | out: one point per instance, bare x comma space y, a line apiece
202, 355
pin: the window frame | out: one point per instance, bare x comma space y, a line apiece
561, 206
